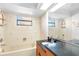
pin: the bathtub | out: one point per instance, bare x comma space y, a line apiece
26, 51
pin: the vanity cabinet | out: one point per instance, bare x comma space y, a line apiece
40, 51
43, 52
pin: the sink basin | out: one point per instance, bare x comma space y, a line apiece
49, 44
45, 43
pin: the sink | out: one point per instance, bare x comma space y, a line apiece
49, 44
53, 44
45, 43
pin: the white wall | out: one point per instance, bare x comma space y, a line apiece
75, 26
53, 31
44, 26
67, 31
57, 31
1, 32
71, 30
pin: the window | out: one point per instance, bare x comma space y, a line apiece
23, 21
51, 22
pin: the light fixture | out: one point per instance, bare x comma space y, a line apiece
57, 7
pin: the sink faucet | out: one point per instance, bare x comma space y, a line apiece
49, 39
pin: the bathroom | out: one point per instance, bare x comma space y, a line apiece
23, 25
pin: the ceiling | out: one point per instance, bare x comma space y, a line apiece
68, 9
28, 5
22, 8
33, 9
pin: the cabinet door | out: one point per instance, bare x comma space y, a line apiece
40, 51
37, 50
48, 53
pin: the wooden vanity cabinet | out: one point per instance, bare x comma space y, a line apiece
43, 52
40, 51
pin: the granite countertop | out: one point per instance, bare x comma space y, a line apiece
61, 48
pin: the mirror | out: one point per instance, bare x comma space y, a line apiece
66, 21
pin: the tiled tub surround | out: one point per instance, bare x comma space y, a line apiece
19, 40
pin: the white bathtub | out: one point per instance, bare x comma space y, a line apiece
20, 52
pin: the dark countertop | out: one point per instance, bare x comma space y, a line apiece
61, 48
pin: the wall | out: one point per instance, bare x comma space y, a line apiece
75, 26
1, 32
57, 31
44, 26
67, 31
71, 30
1, 28
13, 34
53, 31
